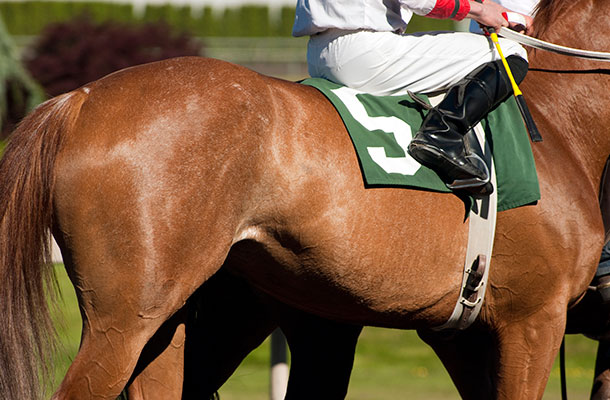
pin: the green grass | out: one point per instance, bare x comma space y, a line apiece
394, 364
390, 364
68, 325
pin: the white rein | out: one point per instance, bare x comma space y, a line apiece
555, 48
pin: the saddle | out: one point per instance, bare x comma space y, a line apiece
381, 128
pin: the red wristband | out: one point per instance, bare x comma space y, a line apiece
453, 9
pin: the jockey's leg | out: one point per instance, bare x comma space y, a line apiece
385, 63
439, 144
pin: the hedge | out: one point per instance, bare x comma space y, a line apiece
70, 54
30, 18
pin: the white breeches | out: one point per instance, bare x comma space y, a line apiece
385, 63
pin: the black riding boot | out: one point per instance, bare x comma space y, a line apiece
439, 143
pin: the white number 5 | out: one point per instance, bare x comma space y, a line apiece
401, 130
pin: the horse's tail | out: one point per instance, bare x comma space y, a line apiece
27, 336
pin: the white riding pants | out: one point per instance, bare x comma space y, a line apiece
386, 63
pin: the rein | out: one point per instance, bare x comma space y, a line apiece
555, 48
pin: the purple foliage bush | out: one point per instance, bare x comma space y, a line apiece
70, 54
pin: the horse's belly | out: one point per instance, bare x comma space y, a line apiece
398, 266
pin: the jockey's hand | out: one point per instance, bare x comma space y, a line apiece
520, 23
489, 14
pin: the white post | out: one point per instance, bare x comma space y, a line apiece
55, 252
279, 366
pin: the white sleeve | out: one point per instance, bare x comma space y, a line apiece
419, 7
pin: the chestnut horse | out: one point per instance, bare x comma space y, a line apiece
205, 163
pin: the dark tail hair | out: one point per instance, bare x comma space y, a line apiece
27, 335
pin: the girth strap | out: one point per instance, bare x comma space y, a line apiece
481, 231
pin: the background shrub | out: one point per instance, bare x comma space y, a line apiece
68, 55
18, 91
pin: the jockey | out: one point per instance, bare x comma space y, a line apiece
361, 44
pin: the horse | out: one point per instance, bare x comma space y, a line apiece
206, 164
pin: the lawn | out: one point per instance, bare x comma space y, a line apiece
390, 364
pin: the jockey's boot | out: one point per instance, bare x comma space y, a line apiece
439, 144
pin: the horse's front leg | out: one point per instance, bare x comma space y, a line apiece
468, 357
322, 354
509, 362
526, 351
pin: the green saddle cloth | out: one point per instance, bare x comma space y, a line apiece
381, 128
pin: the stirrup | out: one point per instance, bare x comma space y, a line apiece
461, 184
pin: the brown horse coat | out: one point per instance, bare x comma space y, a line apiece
155, 176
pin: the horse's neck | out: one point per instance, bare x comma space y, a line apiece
570, 96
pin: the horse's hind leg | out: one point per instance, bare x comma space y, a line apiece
224, 321
112, 340
159, 373
123, 301
106, 358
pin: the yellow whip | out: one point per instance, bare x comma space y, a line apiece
494, 38
525, 112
